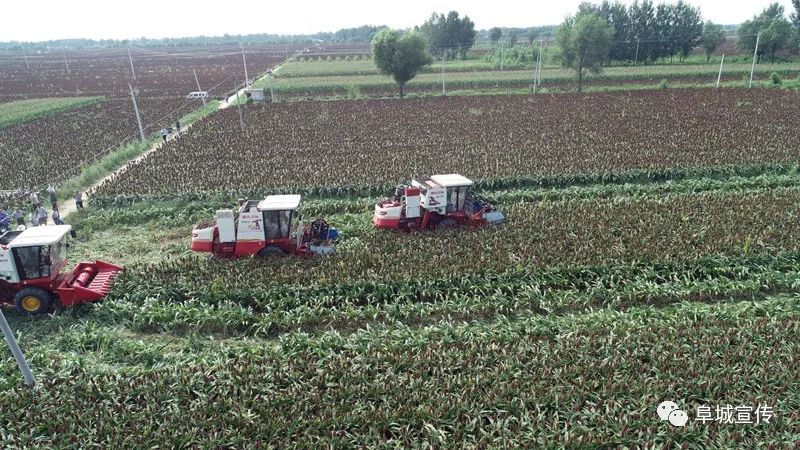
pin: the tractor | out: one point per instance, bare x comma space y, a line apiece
440, 201
264, 228
31, 261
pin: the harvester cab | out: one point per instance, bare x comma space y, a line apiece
269, 227
439, 201
31, 261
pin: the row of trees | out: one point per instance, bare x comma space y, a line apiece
448, 36
772, 31
589, 39
596, 35
360, 34
514, 35
645, 31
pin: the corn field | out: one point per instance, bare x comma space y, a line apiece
650, 252
315, 144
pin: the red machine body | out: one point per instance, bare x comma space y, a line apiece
440, 201
269, 227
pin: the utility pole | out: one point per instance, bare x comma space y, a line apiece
130, 58
537, 71
244, 60
719, 77
198, 86
15, 350
239, 106
138, 118
64, 52
636, 61
444, 91
755, 55
25, 54
271, 93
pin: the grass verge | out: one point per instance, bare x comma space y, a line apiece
21, 111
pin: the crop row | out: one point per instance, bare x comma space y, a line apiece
302, 145
270, 311
564, 234
461, 69
586, 380
512, 78
326, 200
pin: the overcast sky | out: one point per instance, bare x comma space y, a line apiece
36, 20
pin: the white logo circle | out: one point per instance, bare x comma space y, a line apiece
665, 408
678, 418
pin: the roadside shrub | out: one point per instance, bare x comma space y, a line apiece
775, 79
663, 84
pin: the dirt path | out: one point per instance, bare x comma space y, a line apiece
67, 207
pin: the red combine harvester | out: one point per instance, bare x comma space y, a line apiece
441, 201
30, 271
264, 228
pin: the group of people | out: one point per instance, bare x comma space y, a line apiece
167, 130
38, 215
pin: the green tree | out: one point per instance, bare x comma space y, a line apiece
795, 18
776, 32
449, 35
687, 28
533, 35
400, 57
495, 34
583, 43
643, 34
616, 15
713, 36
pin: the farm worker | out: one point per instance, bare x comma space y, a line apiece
5, 220
177, 127
42, 215
164, 133
79, 199
19, 216
56, 216
34, 218
51, 191
34, 199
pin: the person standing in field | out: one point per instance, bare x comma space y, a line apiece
34, 218
34, 199
164, 133
41, 214
51, 191
56, 215
177, 127
19, 216
79, 199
